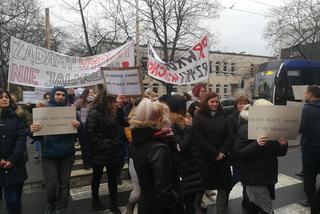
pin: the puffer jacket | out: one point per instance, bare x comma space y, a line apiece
258, 164
190, 163
13, 138
103, 135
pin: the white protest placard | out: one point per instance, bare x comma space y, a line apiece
123, 81
54, 120
293, 103
32, 65
274, 122
83, 114
29, 97
192, 67
39, 92
298, 91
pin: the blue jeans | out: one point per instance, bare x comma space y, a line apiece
12, 195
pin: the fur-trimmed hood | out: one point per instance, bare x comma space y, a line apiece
178, 120
144, 124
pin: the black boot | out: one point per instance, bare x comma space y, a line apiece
114, 209
97, 205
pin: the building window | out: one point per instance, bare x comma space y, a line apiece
233, 67
211, 69
218, 88
217, 67
174, 89
155, 87
145, 86
252, 67
225, 67
225, 89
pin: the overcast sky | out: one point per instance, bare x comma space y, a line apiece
238, 31
243, 31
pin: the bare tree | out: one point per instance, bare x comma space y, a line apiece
22, 19
19, 18
169, 23
296, 22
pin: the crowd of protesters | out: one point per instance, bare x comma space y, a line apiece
180, 148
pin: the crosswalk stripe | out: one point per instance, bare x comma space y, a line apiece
283, 181
122, 209
84, 192
292, 209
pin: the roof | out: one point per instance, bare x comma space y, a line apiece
293, 64
296, 64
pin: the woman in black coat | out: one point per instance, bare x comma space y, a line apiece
213, 140
155, 160
103, 127
234, 125
258, 165
191, 182
12, 147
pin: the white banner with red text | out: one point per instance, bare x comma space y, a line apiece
191, 67
32, 65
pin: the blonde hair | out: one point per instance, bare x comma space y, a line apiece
150, 114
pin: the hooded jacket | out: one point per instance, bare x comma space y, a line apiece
57, 146
12, 147
310, 125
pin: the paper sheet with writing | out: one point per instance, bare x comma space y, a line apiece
298, 91
274, 122
123, 81
54, 120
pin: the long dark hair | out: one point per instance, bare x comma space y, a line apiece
177, 104
105, 103
85, 93
204, 107
11, 102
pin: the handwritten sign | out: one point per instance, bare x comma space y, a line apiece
190, 68
29, 97
274, 122
123, 81
54, 120
32, 65
298, 91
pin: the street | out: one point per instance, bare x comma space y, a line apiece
289, 191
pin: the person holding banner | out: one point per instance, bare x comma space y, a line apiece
310, 142
57, 158
213, 140
83, 105
103, 127
13, 172
258, 164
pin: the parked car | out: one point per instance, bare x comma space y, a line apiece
228, 105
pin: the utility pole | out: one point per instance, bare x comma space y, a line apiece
137, 35
47, 30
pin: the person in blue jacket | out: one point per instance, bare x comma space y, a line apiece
57, 158
310, 143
